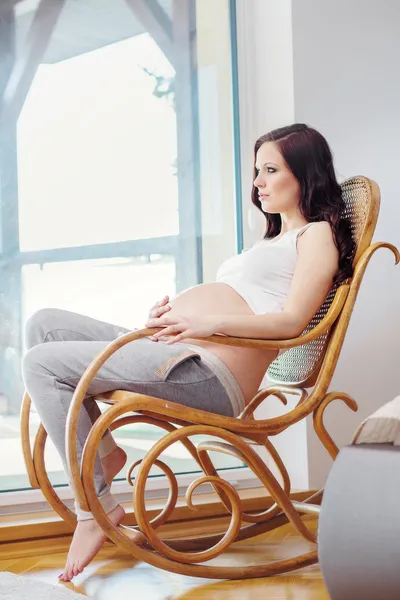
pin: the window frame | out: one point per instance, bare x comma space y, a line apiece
27, 500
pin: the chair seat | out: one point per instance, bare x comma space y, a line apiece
164, 410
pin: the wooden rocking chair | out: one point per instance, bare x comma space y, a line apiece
310, 363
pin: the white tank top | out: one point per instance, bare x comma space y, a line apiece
262, 275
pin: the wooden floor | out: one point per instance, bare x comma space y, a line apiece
116, 576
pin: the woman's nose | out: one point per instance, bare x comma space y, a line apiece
258, 182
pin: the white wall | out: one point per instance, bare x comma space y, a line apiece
346, 84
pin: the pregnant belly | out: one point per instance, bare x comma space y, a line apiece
209, 298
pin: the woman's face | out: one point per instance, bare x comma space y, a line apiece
278, 189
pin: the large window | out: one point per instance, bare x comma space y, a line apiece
117, 165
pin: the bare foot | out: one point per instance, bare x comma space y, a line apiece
87, 541
113, 463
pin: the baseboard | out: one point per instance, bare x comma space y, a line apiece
47, 533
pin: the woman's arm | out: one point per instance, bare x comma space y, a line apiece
316, 267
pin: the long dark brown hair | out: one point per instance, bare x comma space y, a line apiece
308, 156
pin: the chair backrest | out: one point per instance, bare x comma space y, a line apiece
300, 365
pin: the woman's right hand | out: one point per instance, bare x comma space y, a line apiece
160, 308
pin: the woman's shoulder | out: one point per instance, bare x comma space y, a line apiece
316, 236
319, 228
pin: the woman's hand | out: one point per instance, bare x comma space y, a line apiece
159, 308
181, 328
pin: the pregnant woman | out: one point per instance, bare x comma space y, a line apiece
271, 291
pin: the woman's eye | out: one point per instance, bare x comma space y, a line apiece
271, 170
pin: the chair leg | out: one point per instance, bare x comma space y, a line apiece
26, 441
162, 517
35, 463
43, 481
247, 455
165, 555
209, 469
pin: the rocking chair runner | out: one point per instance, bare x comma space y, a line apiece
310, 362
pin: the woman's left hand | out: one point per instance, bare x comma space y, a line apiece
183, 327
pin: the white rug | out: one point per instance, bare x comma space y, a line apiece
15, 587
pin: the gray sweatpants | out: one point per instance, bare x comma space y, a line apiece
62, 344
